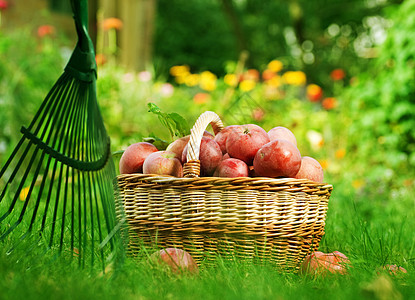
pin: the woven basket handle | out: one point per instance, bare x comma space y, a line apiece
192, 166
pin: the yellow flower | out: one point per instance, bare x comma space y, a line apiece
192, 79
294, 77
179, 70
275, 81
247, 85
275, 66
23, 193
230, 79
358, 183
207, 81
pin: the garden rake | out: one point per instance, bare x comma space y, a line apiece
57, 185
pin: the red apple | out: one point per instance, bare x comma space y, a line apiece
222, 136
177, 260
310, 169
321, 263
282, 133
208, 134
232, 167
178, 145
133, 157
244, 141
163, 163
279, 158
210, 156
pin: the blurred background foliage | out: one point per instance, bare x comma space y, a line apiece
339, 74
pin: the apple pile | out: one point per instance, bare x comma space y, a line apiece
236, 151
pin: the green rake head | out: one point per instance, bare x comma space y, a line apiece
56, 188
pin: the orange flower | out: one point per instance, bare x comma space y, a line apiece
340, 153
201, 98
267, 74
329, 103
251, 74
45, 30
337, 74
112, 23
100, 59
314, 92
324, 164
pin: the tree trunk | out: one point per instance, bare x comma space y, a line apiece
136, 40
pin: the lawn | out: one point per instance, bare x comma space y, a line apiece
371, 230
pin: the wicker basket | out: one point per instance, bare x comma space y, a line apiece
258, 219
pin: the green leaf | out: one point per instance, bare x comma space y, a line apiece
156, 141
174, 122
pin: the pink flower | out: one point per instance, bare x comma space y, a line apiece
45, 30
166, 90
144, 76
3, 5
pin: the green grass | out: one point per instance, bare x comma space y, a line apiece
371, 228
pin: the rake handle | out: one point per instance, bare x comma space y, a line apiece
192, 166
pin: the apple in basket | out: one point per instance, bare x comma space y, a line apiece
278, 158
176, 260
310, 169
132, 159
244, 141
319, 263
178, 145
222, 136
210, 156
163, 163
282, 133
232, 167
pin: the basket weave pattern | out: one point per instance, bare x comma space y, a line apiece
262, 219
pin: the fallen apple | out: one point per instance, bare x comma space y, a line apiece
132, 159
176, 260
319, 263
163, 163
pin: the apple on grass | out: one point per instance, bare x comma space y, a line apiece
176, 260
282, 133
319, 263
132, 159
310, 169
210, 156
279, 158
231, 168
163, 163
244, 141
